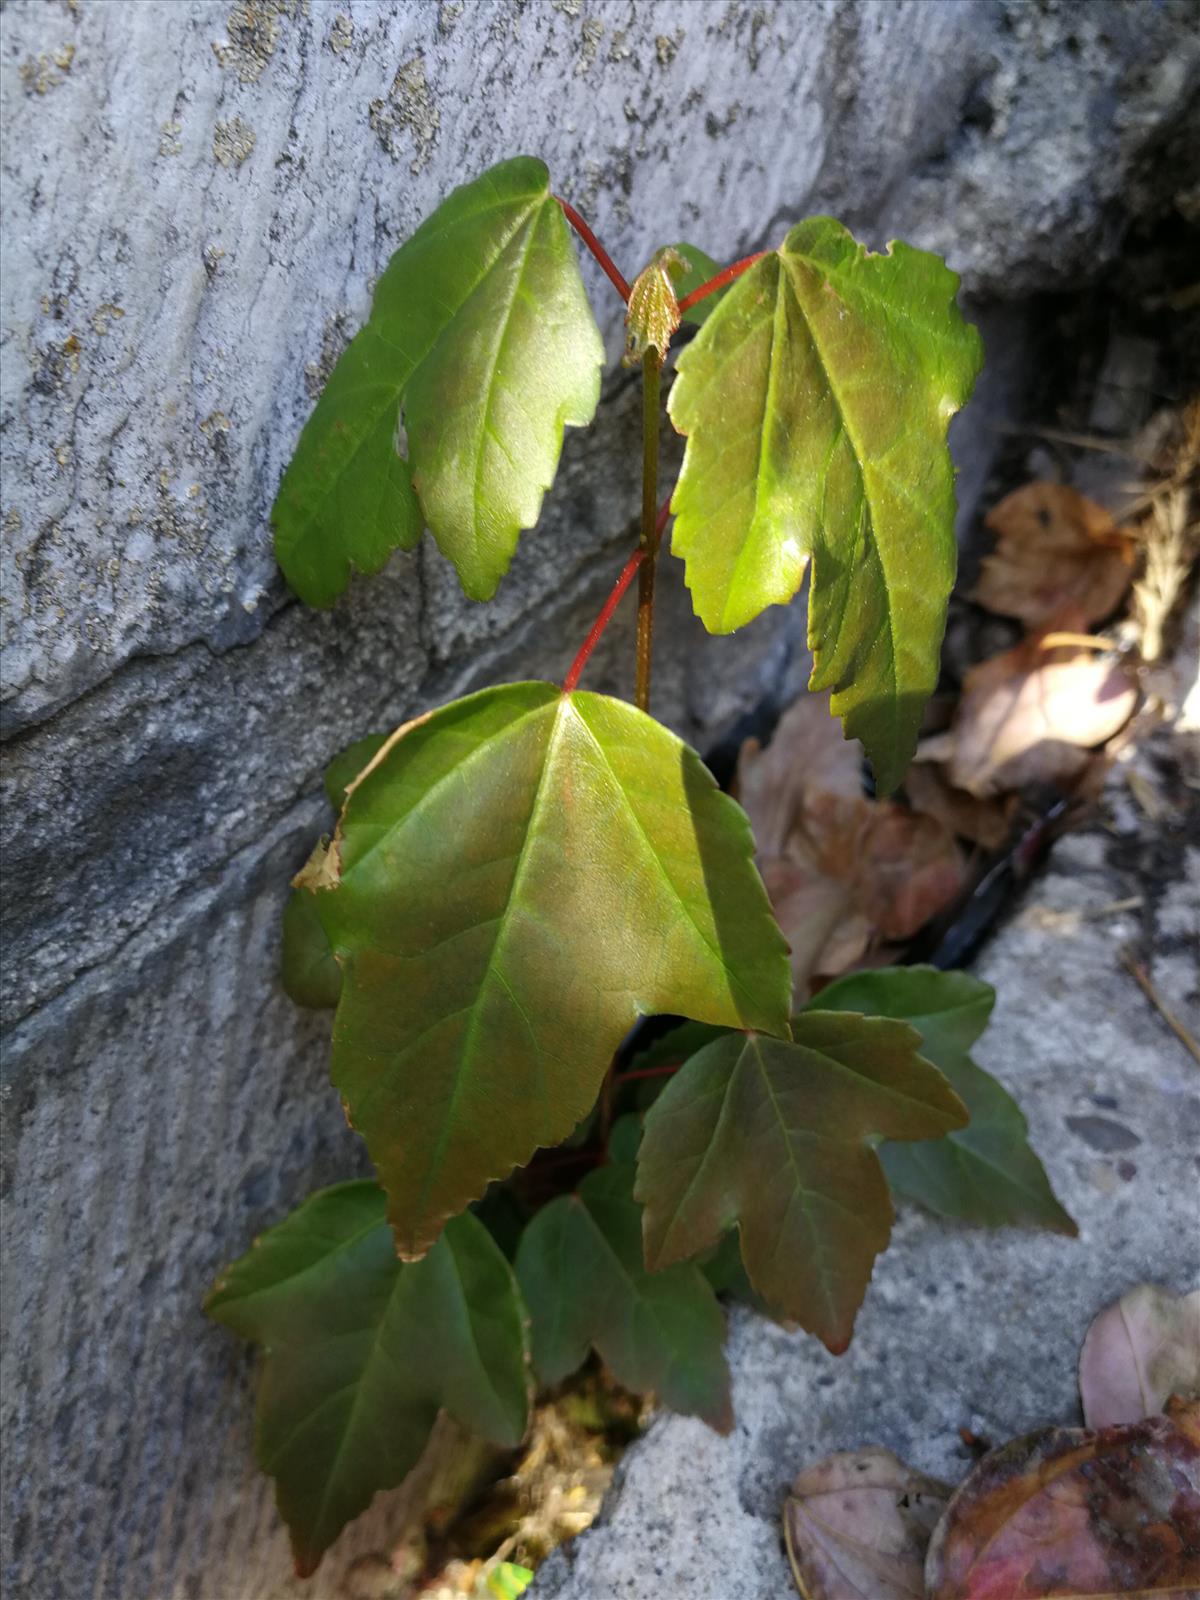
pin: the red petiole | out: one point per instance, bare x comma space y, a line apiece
571, 681
648, 1072
601, 254
721, 279
602, 621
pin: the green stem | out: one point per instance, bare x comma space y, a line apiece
651, 388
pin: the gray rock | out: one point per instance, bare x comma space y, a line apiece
198, 199
962, 1328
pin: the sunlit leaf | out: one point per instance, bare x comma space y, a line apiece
857, 1526
778, 1138
361, 1352
514, 882
582, 1273
1138, 1353
986, 1172
448, 408
1066, 1514
507, 1581
816, 400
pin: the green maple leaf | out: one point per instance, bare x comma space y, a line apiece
515, 880
481, 335
309, 971
815, 400
985, 1172
310, 974
362, 1351
700, 269
585, 1282
777, 1137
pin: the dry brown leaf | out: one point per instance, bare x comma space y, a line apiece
1068, 1513
807, 755
844, 873
1137, 1353
1054, 547
987, 823
910, 868
1031, 715
857, 1525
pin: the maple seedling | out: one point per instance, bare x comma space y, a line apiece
520, 877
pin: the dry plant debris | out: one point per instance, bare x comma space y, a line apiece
1033, 714
847, 875
1054, 548
858, 1524
1109, 1510
1137, 1353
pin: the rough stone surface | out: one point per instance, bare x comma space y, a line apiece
963, 1329
198, 197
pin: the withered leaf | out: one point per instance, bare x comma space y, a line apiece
857, 1526
1031, 715
1054, 547
1138, 1353
1068, 1512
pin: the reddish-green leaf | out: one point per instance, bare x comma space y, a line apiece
584, 1280
448, 407
816, 400
1068, 1514
987, 1171
514, 881
362, 1351
778, 1138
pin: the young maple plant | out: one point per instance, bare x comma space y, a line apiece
517, 879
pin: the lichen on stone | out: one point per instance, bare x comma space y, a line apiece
341, 34
253, 32
45, 72
409, 108
233, 141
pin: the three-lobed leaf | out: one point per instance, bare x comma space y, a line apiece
815, 400
515, 880
448, 407
986, 1172
362, 1351
584, 1279
777, 1137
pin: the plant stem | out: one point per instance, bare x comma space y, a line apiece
602, 621
601, 255
664, 1071
651, 388
721, 279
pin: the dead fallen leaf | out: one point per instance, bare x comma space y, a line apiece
807, 755
844, 872
1137, 1353
987, 823
1070, 1512
1031, 716
857, 1525
1054, 547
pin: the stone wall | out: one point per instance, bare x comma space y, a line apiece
198, 198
